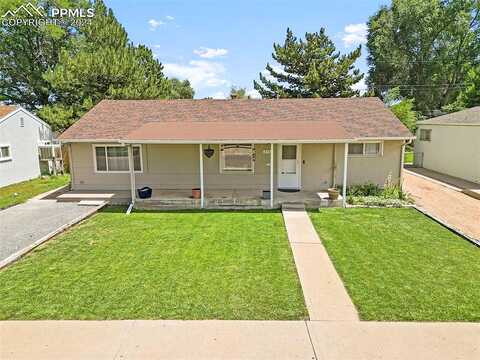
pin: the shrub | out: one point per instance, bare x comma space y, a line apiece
370, 194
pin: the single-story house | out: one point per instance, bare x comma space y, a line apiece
450, 144
21, 135
242, 146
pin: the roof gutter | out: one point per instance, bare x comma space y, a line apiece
236, 141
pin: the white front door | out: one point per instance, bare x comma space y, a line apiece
289, 166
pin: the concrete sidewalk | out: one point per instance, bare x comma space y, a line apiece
212, 339
325, 295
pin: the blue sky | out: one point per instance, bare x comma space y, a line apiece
219, 44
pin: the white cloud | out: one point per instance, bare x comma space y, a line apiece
169, 18
156, 46
200, 73
355, 34
154, 24
361, 86
209, 53
218, 95
254, 94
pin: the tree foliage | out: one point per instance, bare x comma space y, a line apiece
425, 47
181, 89
402, 108
309, 68
470, 94
27, 52
238, 93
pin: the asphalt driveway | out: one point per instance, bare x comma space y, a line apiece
453, 207
23, 225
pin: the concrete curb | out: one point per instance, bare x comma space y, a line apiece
14, 257
474, 241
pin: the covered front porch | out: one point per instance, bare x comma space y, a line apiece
249, 175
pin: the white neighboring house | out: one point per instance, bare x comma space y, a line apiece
450, 144
21, 134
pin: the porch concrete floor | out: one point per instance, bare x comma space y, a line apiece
240, 196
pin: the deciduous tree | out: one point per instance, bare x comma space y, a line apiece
424, 47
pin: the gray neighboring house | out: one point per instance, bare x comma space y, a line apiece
450, 144
21, 134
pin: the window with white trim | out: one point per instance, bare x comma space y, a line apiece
112, 158
365, 149
5, 153
425, 134
237, 157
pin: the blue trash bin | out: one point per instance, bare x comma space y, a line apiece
145, 192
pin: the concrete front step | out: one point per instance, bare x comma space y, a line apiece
293, 206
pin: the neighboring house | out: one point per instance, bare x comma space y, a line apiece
217, 145
21, 134
450, 144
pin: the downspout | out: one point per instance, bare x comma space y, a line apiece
345, 171
70, 164
132, 178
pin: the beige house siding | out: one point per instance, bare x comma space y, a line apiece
177, 167
374, 169
453, 150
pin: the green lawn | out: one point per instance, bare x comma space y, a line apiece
408, 157
18, 193
398, 264
159, 265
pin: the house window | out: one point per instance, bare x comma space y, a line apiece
365, 149
237, 157
111, 158
5, 153
425, 134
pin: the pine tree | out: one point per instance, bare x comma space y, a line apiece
309, 68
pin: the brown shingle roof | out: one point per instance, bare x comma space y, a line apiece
6, 109
268, 119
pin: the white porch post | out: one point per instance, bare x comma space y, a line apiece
202, 193
132, 173
402, 159
345, 167
271, 175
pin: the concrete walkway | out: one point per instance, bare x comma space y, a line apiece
325, 295
25, 225
169, 339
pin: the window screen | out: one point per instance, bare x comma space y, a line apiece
355, 149
115, 158
101, 158
4, 152
289, 152
237, 157
372, 148
425, 134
